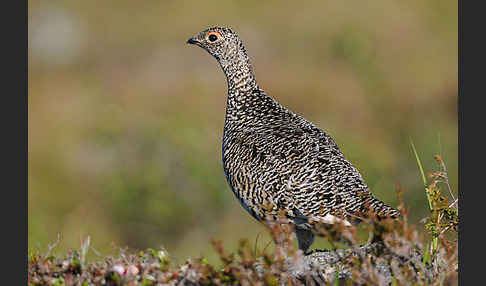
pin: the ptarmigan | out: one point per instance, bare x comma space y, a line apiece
277, 162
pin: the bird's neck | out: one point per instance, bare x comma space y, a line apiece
239, 71
241, 80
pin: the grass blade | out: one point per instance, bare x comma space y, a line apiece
419, 163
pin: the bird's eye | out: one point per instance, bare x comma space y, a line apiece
212, 37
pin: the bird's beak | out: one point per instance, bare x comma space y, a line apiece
192, 41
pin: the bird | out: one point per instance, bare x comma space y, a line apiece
275, 161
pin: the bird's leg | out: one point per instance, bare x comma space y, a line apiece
305, 238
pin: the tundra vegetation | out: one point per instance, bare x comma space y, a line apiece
397, 253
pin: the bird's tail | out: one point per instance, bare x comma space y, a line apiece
379, 208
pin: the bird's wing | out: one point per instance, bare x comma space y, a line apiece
308, 171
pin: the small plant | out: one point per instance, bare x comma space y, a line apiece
444, 214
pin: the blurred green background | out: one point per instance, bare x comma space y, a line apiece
125, 118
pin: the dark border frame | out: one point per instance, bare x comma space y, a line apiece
15, 142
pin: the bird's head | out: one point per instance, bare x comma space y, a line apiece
222, 43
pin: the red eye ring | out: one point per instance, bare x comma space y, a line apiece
213, 36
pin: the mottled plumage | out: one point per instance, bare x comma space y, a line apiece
277, 162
